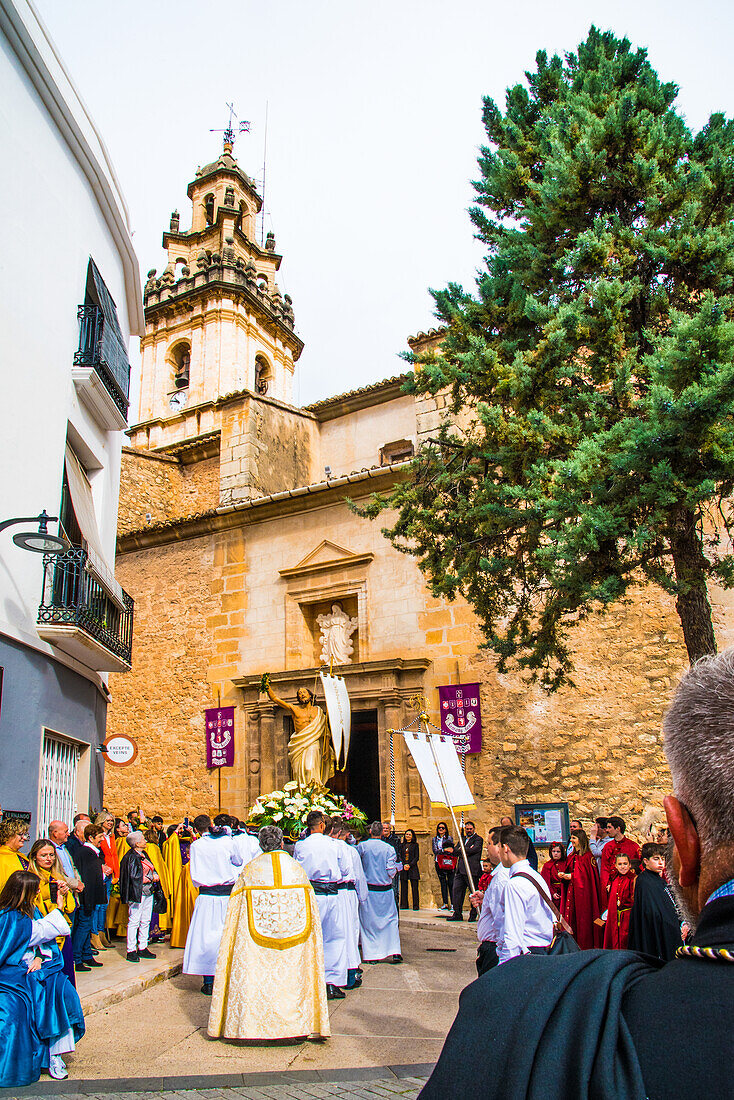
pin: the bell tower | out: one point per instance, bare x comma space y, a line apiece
216, 322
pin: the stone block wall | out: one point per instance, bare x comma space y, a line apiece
164, 489
264, 449
161, 701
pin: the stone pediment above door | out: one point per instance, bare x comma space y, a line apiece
328, 575
325, 557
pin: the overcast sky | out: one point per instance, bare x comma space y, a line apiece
374, 123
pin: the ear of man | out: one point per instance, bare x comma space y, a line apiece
686, 840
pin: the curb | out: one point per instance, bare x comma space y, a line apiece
99, 1087
129, 988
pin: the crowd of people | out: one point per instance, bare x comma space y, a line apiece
275, 934
590, 892
571, 1023
80, 889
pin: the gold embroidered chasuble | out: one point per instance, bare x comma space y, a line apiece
270, 982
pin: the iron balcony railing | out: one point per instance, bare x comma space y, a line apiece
100, 348
72, 596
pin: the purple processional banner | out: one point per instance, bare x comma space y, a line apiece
461, 716
219, 737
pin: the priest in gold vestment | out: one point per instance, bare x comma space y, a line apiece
269, 982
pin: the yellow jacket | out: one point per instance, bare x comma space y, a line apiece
10, 862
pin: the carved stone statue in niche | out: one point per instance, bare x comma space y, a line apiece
336, 633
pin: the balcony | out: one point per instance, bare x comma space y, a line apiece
101, 369
79, 617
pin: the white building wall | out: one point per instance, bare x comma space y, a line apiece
61, 204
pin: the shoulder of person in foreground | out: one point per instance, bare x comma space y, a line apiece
560, 1024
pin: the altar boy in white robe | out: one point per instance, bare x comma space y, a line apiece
215, 863
378, 914
326, 866
351, 892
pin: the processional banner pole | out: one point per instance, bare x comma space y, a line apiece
429, 738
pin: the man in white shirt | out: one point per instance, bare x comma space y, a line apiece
215, 864
326, 866
491, 905
378, 914
528, 926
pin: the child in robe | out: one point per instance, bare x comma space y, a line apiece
621, 896
655, 927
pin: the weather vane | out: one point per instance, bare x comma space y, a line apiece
229, 131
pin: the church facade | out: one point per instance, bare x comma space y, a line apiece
236, 539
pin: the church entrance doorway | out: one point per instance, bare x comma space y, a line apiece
360, 781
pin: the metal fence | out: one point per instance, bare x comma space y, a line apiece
73, 596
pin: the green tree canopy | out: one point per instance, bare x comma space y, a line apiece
590, 441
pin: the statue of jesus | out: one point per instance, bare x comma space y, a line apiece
309, 750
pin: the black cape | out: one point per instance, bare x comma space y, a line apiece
654, 921
545, 1028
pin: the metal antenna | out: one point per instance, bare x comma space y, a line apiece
265, 153
229, 131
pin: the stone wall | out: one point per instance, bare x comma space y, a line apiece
164, 489
265, 449
161, 701
214, 609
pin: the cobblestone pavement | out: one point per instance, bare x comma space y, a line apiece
378, 1088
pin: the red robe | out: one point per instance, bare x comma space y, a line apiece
484, 881
609, 854
582, 899
621, 896
549, 871
110, 856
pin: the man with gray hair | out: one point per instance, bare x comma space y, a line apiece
378, 914
590, 1032
270, 980
270, 838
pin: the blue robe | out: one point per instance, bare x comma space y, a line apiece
57, 1007
21, 1047
35, 1009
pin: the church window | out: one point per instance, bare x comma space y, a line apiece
180, 360
398, 451
263, 374
209, 209
262, 282
242, 215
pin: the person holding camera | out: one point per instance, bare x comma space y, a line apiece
137, 881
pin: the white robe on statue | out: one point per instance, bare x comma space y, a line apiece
214, 861
378, 914
324, 862
352, 900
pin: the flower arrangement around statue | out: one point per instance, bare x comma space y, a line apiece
289, 808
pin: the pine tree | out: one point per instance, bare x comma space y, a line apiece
590, 446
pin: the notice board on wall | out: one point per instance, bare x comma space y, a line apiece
544, 822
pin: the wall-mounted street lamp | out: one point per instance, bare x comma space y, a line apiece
39, 542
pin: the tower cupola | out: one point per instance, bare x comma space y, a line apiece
215, 316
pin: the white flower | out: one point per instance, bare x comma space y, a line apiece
290, 786
277, 817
